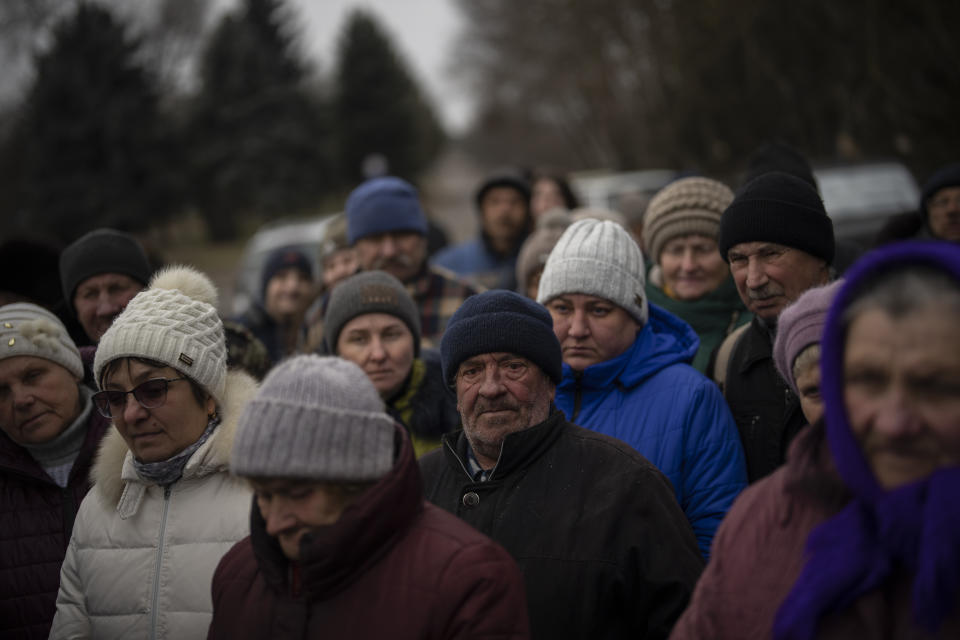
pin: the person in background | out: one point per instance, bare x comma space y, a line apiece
626, 371
778, 240
796, 350
163, 508
342, 543
338, 260
49, 433
633, 205
387, 227
691, 279
604, 549
503, 202
533, 254
287, 290
857, 536
372, 321
938, 217
100, 273
550, 190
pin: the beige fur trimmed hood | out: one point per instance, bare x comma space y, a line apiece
113, 467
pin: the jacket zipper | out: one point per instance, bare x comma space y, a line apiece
577, 395
156, 573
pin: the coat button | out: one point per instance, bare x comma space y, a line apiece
471, 499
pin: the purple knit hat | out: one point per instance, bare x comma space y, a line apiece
914, 527
801, 325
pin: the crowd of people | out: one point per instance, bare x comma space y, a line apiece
688, 418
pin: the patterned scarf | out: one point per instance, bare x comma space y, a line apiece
166, 472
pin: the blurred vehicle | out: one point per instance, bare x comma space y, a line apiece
603, 189
304, 234
861, 198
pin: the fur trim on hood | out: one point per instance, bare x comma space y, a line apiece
110, 473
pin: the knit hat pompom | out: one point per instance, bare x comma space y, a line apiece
175, 322
689, 205
315, 418
597, 258
29, 330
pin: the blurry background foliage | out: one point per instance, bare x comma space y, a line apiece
141, 114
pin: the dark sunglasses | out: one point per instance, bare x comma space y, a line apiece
149, 394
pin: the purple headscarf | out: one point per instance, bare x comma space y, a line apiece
915, 527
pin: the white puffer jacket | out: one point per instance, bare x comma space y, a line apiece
141, 559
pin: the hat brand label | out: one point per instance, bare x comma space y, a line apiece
185, 359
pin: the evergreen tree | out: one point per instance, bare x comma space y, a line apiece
260, 142
94, 148
379, 107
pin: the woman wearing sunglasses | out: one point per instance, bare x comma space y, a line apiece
164, 507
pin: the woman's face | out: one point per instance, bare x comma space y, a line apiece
157, 434
902, 391
546, 195
382, 345
692, 266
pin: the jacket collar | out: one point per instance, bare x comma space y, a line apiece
756, 345
519, 449
334, 556
113, 469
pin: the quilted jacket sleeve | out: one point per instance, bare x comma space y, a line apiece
70, 621
715, 471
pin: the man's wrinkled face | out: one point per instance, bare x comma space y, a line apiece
399, 253
499, 394
943, 211
769, 276
99, 299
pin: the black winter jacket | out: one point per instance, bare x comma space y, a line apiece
605, 550
36, 519
766, 411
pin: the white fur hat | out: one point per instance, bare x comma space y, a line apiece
597, 258
173, 321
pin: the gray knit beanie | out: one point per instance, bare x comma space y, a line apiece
597, 258
369, 292
175, 322
316, 418
690, 205
29, 330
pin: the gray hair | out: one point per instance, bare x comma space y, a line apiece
899, 292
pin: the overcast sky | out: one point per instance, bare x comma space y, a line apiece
423, 30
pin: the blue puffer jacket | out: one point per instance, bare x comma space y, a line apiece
475, 261
652, 399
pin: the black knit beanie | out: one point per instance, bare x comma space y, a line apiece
501, 321
369, 292
781, 208
102, 251
502, 179
284, 258
948, 176
778, 156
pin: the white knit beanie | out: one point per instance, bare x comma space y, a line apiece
173, 321
29, 330
597, 258
315, 418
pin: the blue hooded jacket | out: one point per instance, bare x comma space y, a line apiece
652, 399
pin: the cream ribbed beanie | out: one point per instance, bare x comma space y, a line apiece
175, 322
597, 258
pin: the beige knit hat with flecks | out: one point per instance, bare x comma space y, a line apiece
29, 330
689, 205
175, 322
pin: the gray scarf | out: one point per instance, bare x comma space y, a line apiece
166, 472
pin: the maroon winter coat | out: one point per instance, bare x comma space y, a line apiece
758, 554
36, 518
392, 567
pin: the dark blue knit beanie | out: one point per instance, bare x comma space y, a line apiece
948, 176
781, 208
284, 258
500, 321
381, 205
